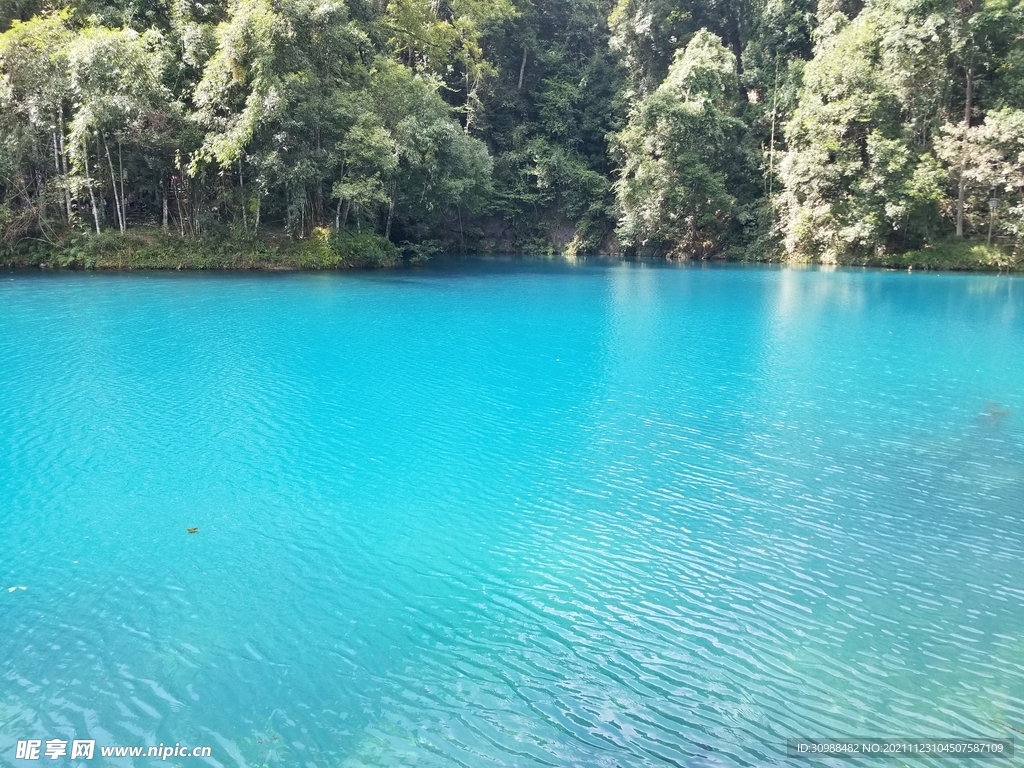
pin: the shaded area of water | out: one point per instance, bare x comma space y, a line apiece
510, 512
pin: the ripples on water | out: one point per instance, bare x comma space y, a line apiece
514, 514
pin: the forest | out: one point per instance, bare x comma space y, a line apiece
832, 132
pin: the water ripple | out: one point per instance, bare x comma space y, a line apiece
510, 513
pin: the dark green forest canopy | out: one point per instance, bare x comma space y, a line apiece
838, 131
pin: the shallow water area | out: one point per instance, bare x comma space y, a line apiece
511, 512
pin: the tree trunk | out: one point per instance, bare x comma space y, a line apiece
344, 212
64, 162
177, 202
771, 151
991, 217
56, 158
241, 189
318, 193
163, 194
113, 181
56, 163
391, 213
88, 183
124, 200
962, 188
522, 71
196, 207
41, 194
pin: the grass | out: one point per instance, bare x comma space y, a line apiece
958, 255
151, 248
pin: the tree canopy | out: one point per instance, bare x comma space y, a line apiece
832, 131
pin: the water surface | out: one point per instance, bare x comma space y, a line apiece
510, 513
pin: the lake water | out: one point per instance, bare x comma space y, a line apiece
510, 513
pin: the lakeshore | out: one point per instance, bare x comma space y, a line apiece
152, 249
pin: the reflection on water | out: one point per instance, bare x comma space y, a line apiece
510, 512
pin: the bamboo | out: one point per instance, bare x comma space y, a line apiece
113, 181
88, 183
56, 161
241, 187
391, 212
124, 199
163, 194
771, 151
64, 162
181, 213
962, 187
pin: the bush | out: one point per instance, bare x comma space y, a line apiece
154, 249
956, 255
325, 249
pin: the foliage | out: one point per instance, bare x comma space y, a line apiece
876, 151
953, 255
149, 249
993, 169
317, 131
679, 150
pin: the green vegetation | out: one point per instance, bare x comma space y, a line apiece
302, 134
953, 255
150, 248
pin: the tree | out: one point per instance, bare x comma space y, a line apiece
370, 157
993, 171
679, 152
444, 40
647, 33
856, 179
34, 92
116, 80
440, 168
811, 131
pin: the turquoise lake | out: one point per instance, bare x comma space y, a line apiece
516, 513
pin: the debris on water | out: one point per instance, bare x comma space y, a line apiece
192, 530
11, 589
1007, 725
993, 413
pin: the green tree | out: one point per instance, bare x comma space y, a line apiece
34, 104
116, 80
680, 152
445, 40
856, 178
441, 171
993, 173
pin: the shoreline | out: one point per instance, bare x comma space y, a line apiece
325, 250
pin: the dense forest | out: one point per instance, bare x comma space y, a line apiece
836, 131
